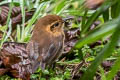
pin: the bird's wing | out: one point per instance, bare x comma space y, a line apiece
53, 52
47, 55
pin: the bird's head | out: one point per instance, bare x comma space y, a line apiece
51, 24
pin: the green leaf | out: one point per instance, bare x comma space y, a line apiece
115, 68
102, 31
106, 52
22, 3
106, 15
29, 27
18, 36
103, 77
6, 33
115, 10
60, 6
97, 13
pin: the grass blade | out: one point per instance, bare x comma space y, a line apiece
22, 2
98, 12
115, 68
30, 23
104, 30
8, 26
106, 52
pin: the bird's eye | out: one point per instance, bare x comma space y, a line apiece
56, 24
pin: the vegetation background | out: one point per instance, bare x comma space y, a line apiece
95, 53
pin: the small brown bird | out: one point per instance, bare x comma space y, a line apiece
47, 41
45, 46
